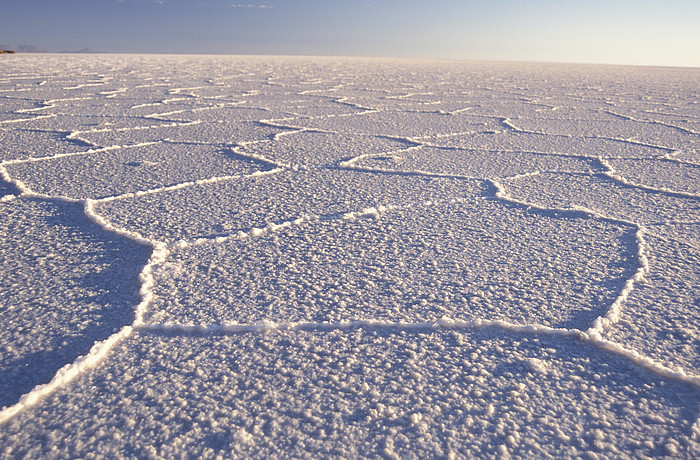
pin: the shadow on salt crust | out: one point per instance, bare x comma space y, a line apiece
7, 189
360, 393
65, 284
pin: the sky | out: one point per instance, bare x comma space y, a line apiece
639, 32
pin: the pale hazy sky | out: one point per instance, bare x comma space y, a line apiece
646, 32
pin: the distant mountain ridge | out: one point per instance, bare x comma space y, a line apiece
84, 50
24, 48
38, 49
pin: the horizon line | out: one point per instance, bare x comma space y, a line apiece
87, 51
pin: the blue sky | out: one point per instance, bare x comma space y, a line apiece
643, 32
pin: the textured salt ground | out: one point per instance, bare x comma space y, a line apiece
584, 147
400, 124
682, 232
15, 105
225, 208
122, 100
19, 144
207, 114
306, 106
215, 132
310, 148
661, 317
691, 156
68, 123
664, 174
673, 116
473, 163
128, 170
507, 105
603, 195
615, 128
137, 108
65, 284
358, 393
466, 260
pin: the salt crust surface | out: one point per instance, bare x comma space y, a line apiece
260, 256
361, 393
407, 265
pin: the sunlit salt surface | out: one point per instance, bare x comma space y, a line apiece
308, 257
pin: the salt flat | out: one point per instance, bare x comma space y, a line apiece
311, 257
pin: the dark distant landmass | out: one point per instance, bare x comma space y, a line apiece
84, 50
24, 48
37, 49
